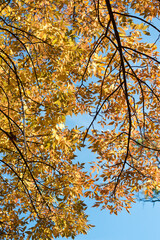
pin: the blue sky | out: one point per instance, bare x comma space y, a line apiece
142, 223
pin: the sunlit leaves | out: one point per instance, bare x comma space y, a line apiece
64, 58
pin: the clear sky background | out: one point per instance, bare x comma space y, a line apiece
142, 224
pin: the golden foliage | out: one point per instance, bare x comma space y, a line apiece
64, 58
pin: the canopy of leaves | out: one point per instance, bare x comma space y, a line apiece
63, 58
